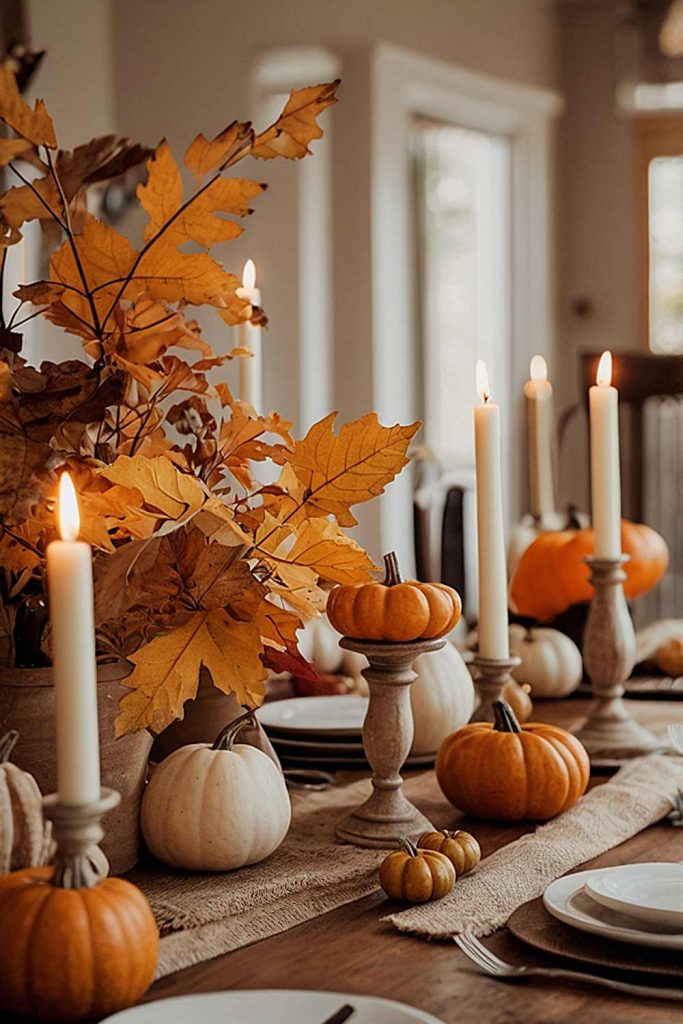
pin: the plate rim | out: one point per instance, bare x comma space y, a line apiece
422, 1016
341, 730
653, 915
631, 936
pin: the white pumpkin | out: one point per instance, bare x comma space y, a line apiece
551, 662
442, 698
318, 642
215, 808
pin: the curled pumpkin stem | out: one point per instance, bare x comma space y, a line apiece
391, 569
408, 846
7, 745
505, 720
228, 735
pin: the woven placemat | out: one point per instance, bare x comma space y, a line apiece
202, 915
534, 925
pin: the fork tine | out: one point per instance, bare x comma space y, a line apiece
477, 953
489, 954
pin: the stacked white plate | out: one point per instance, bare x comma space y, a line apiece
641, 904
321, 732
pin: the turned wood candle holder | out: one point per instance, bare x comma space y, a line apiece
79, 863
387, 737
494, 674
609, 651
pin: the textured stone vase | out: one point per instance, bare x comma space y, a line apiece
27, 704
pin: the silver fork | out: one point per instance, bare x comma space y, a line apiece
489, 963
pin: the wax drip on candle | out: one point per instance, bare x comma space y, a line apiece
603, 377
482, 376
538, 369
68, 516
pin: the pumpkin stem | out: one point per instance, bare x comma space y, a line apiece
226, 737
505, 719
391, 569
447, 834
7, 745
408, 846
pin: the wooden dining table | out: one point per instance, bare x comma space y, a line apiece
350, 950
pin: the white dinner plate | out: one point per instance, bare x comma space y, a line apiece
648, 892
263, 1006
340, 714
333, 762
308, 745
567, 900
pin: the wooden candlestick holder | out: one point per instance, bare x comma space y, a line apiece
387, 737
494, 675
609, 650
79, 863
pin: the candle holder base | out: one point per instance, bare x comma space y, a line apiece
494, 676
387, 737
609, 734
79, 863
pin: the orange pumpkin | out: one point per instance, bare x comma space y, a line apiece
505, 771
416, 875
461, 848
395, 610
73, 954
551, 574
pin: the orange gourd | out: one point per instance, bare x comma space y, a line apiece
461, 848
510, 772
395, 610
416, 876
551, 575
71, 954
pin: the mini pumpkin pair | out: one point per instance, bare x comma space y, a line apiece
428, 870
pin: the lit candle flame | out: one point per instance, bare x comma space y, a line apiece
603, 377
483, 381
68, 517
249, 274
538, 368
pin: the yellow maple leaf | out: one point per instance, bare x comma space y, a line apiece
321, 545
21, 203
338, 471
166, 673
162, 198
204, 155
296, 126
166, 491
32, 124
11, 148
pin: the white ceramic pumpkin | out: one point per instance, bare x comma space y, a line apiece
442, 697
551, 662
24, 835
215, 808
318, 642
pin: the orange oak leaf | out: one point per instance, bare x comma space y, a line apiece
204, 155
166, 673
162, 198
296, 126
32, 124
338, 471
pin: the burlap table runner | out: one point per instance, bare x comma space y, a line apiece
638, 795
204, 915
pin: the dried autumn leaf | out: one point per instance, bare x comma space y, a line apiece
166, 673
320, 545
165, 490
162, 198
338, 471
23, 203
204, 155
32, 124
11, 148
296, 126
25, 471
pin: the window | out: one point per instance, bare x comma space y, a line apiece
463, 199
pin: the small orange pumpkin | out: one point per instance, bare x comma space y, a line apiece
416, 876
395, 610
551, 574
93, 951
461, 848
505, 771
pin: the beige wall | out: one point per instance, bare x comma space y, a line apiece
596, 227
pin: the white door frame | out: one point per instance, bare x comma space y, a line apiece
406, 85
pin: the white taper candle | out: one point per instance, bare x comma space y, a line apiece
70, 584
603, 402
251, 369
